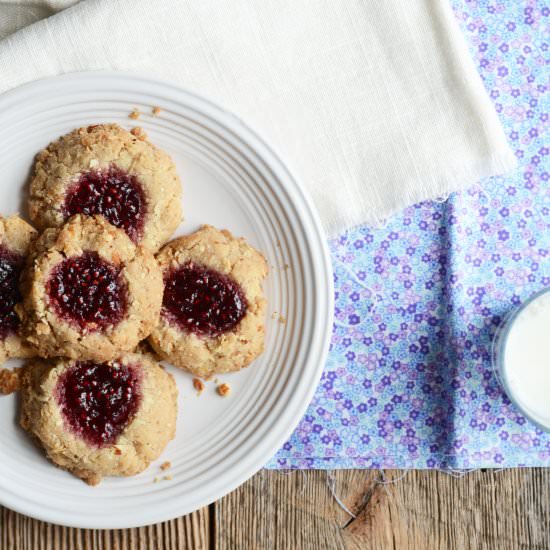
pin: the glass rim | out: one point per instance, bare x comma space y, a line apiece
498, 347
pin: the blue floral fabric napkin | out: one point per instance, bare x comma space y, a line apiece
409, 382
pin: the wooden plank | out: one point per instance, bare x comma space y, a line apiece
422, 510
482, 510
18, 532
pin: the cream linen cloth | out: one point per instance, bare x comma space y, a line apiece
375, 104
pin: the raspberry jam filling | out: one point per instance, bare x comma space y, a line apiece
202, 301
88, 291
10, 269
112, 193
98, 400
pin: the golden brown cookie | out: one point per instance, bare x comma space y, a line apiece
100, 419
15, 238
212, 318
89, 292
106, 170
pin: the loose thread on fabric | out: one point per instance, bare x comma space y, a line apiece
331, 484
393, 480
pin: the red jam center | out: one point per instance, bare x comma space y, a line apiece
10, 269
98, 401
88, 291
112, 193
202, 301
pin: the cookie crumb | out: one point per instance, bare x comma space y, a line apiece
165, 465
10, 380
156, 111
168, 478
274, 315
198, 384
224, 390
135, 114
139, 133
282, 319
156, 480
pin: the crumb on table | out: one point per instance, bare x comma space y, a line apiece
224, 390
198, 384
156, 111
10, 380
135, 114
165, 465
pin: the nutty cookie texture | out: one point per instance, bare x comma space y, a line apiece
16, 236
212, 318
89, 292
105, 170
100, 419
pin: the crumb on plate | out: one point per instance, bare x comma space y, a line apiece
165, 465
10, 380
224, 390
156, 111
198, 384
168, 478
135, 114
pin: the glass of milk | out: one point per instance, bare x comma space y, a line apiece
521, 358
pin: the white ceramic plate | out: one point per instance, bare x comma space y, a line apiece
233, 180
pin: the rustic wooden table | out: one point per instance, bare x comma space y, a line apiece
497, 510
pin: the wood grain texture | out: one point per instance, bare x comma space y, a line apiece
18, 532
276, 510
423, 510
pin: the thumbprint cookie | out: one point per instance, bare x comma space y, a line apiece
16, 236
89, 291
98, 419
108, 171
212, 317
